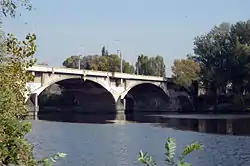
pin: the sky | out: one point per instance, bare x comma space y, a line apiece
151, 27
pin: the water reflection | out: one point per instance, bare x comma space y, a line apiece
217, 124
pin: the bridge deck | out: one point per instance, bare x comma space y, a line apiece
60, 70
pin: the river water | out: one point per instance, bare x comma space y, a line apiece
97, 140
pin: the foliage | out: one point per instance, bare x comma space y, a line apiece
104, 51
213, 53
110, 63
8, 7
185, 71
170, 155
150, 66
223, 56
14, 148
50, 160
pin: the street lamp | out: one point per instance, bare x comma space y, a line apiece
120, 54
137, 66
79, 59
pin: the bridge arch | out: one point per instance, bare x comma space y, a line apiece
145, 97
74, 95
131, 86
52, 81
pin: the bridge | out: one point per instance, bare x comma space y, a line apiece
118, 85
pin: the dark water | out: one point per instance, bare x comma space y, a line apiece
99, 140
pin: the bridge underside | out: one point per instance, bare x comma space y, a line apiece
78, 96
146, 98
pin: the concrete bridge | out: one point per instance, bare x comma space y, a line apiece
117, 84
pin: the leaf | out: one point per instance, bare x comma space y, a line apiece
192, 147
144, 158
183, 164
170, 147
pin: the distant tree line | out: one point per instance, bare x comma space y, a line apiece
111, 62
220, 64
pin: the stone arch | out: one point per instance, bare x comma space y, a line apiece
133, 103
157, 84
58, 79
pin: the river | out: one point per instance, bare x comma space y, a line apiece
89, 140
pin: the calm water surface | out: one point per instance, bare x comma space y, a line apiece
97, 140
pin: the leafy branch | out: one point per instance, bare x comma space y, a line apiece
170, 155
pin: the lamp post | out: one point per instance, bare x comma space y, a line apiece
120, 54
79, 59
137, 65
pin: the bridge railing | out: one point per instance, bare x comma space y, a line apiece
61, 70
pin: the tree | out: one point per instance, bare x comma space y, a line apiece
110, 63
142, 65
127, 68
153, 66
8, 7
104, 51
240, 34
185, 71
113, 63
213, 52
15, 149
85, 63
240, 72
101, 63
71, 62
224, 58
13, 86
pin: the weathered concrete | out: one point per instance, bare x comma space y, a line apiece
117, 84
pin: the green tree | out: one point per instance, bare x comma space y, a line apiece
240, 72
153, 66
240, 37
110, 63
114, 63
142, 65
85, 63
185, 71
14, 148
127, 68
9, 7
213, 52
101, 63
71, 62
104, 51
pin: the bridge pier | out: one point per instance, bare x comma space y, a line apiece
120, 109
34, 99
121, 105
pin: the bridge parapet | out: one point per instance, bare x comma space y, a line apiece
57, 70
